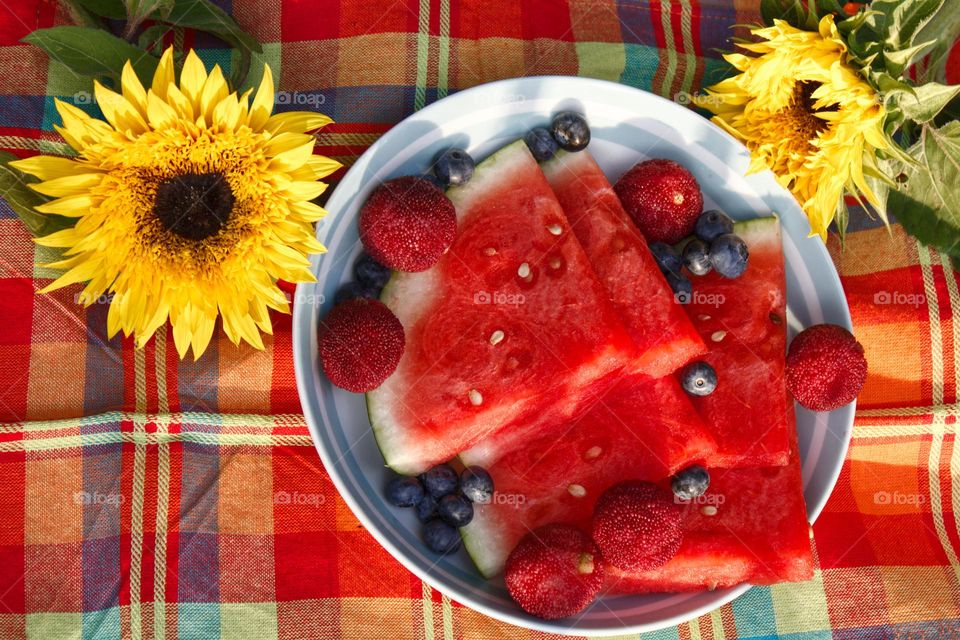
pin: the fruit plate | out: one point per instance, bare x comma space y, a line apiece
628, 125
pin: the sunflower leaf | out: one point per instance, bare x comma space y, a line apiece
928, 101
22, 199
903, 19
92, 52
152, 35
928, 205
112, 9
897, 61
206, 16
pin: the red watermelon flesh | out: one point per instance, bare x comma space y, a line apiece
510, 329
643, 428
743, 322
759, 534
623, 262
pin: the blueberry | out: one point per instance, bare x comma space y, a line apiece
370, 273
427, 508
476, 484
696, 257
440, 480
441, 537
404, 491
570, 130
455, 510
354, 289
682, 287
666, 256
541, 143
453, 167
711, 224
690, 483
698, 378
729, 255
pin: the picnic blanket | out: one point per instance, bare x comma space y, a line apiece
142, 496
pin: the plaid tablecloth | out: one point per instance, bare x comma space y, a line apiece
146, 497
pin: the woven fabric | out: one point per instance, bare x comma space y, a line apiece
146, 497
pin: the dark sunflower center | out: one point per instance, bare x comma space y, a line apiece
806, 113
194, 206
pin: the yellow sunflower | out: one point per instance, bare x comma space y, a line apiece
190, 202
804, 113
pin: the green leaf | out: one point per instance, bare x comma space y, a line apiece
22, 199
144, 9
112, 9
152, 35
905, 19
793, 11
92, 52
897, 61
928, 100
929, 204
140, 10
206, 16
945, 30
830, 6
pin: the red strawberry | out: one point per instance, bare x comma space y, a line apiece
360, 344
636, 525
407, 224
663, 198
826, 367
554, 572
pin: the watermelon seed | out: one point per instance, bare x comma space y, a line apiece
475, 398
718, 336
496, 337
513, 363
554, 229
577, 490
775, 318
704, 317
490, 251
708, 510
593, 452
555, 263
524, 271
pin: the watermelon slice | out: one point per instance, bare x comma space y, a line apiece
619, 255
643, 428
743, 322
510, 329
750, 526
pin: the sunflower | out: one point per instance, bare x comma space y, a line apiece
805, 113
190, 203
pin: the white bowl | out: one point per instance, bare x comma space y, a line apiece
628, 125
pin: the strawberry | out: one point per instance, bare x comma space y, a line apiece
636, 525
663, 198
407, 224
554, 572
826, 367
360, 343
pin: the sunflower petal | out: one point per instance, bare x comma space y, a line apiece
163, 77
118, 112
296, 122
160, 114
51, 167
132, 90
214, 90
68, 185
192, 78
262, 101
71, 206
